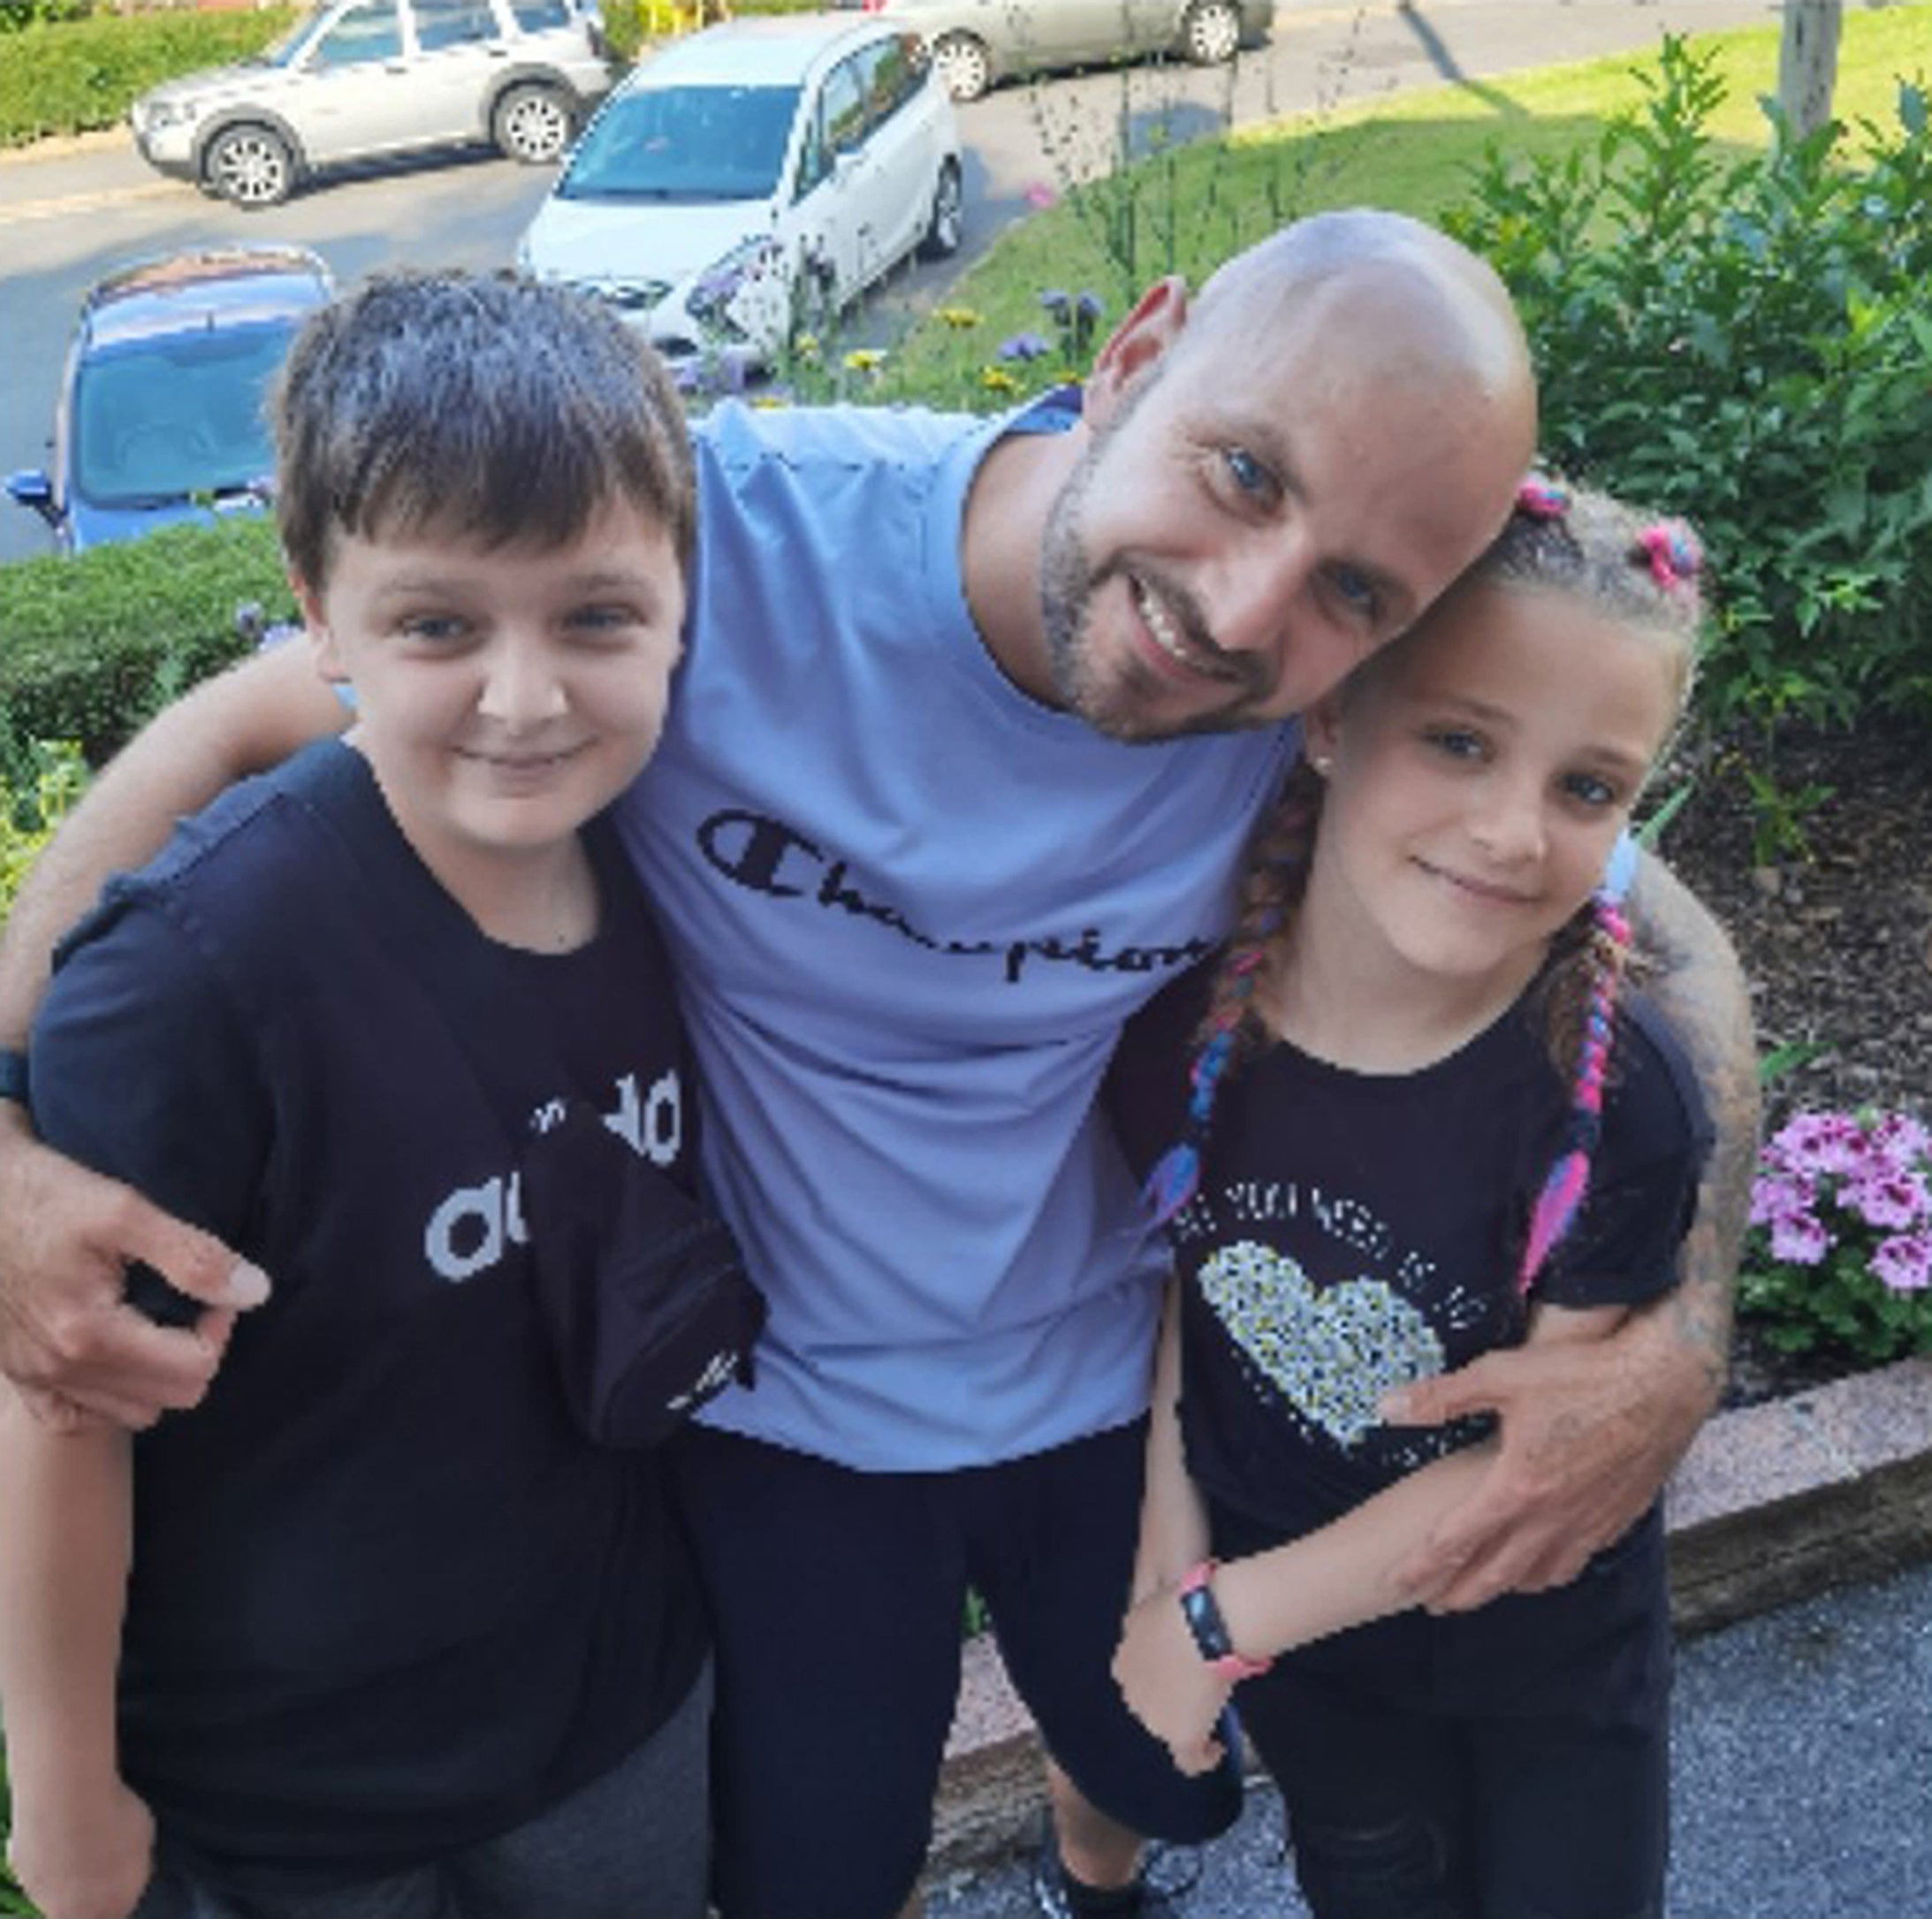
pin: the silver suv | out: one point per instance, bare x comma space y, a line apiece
358, 77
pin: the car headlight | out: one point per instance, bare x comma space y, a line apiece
163, 113
717, 296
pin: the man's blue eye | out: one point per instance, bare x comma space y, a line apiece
1247, 472
1357, 590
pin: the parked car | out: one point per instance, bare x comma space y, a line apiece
358, 77
754, 178
159, 417
975, 43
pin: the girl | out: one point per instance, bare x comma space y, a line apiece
1452, 1128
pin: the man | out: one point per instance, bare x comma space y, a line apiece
973, 720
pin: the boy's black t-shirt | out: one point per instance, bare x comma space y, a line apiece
386, 1601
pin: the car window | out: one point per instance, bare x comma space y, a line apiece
892, 76
842, 107
685, 143
539, 16
365, 33
454, 23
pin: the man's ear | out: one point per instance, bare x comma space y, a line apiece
321, 639
1133, 346
1321, 732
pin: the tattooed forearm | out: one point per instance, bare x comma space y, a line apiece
1699, 987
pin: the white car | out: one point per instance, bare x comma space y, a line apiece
751, 181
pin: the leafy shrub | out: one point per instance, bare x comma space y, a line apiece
15, 14
1746, 342
66, 76
40, 781
1840, 1249
631, 25
91, 645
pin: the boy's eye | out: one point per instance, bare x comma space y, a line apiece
603, 622
1593, 791
434, 629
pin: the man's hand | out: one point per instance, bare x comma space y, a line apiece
93, 1864
1167, 1686
1590, 1431
68, 1340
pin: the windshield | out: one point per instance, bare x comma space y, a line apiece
685, 143
285, 49
163, 419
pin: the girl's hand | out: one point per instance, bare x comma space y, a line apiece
1167, 1686
92, 1862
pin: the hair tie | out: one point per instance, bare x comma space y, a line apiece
1542, 499
1671, 551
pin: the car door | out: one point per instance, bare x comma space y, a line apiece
461, 48
830, 212
355, 93
896, 174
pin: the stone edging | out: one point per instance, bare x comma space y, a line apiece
1772, 1504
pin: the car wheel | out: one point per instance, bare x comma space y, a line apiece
944, 230
533, 123
253, 166
1212, 32
963, 65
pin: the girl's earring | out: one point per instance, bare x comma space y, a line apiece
1322, 765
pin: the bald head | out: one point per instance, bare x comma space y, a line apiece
1429, 307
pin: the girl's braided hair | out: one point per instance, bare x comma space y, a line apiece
1586, 546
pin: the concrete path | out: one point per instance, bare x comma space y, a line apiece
1802, 1770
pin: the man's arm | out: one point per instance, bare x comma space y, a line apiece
67, 1234
1589, 1433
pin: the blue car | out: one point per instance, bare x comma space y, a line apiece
160, 411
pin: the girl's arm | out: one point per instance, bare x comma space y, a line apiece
1357, 1568
1173, 1519
82, 1844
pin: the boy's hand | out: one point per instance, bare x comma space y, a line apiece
77, 1352
1589, 1432
93, 1862
1167, 1686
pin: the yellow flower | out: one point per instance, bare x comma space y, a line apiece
961, 317
865, 359
805, 346
998, 380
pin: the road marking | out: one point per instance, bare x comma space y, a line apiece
47, 209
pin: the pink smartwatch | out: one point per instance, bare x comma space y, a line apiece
1210, 1630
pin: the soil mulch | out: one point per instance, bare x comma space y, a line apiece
1836, 937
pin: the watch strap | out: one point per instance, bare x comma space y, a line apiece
1210, 1630
13, 1075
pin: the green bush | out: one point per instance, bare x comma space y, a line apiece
66, 76
91, 645
632, 24
15, 14
1748, 343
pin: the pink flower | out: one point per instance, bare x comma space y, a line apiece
1904, 1262
1887, 1199
1818, 1143
1039, 195
1776, 1196
1799, 1238
1901, 1138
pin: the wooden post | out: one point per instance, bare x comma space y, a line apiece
1807, 63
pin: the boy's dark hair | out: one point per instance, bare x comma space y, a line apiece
501, 408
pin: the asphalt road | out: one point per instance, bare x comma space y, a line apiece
70, 215
1801, 1778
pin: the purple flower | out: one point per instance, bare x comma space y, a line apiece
1089, 308
1024, 347
1776, 1196
1904, 1262
1901, 1138
1797, 1237
1818, 1143
1056, 303
1887, 1199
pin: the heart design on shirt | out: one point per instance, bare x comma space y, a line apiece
1331, 1354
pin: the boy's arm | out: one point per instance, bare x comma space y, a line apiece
82, 1844
1589, 1433
65, 1234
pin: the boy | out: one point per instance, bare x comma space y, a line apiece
397, 1637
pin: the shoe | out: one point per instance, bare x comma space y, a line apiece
1153, 1895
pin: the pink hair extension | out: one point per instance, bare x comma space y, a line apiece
1562, 1197
1543, 498
1671, 552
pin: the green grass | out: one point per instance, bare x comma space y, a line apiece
1185, 210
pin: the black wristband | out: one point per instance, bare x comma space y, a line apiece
13, 1075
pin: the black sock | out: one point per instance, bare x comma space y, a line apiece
1086, 1901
